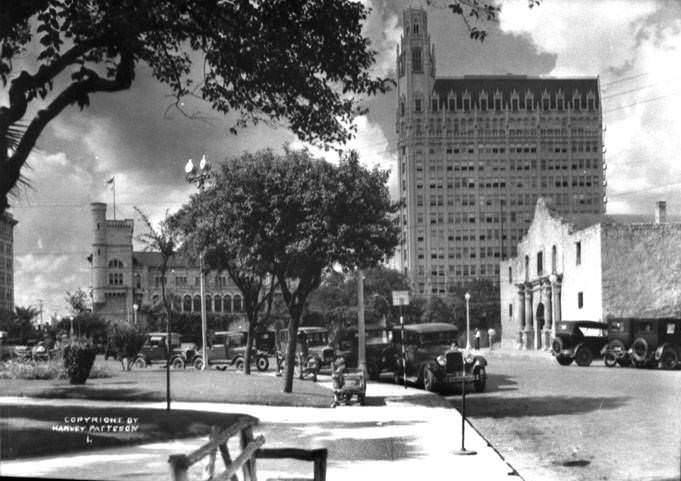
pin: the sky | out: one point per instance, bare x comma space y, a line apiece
634, 47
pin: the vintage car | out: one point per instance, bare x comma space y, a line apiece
644, 342
379, 352
433, 360
579, 341
266, 341
155, 351
319, 352
228, 348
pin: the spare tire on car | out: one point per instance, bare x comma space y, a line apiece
639, 351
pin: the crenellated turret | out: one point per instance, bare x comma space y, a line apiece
99, 254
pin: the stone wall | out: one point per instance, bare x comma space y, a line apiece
642, 270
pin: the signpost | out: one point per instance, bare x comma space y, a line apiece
401, 298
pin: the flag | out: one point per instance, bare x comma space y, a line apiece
110, 181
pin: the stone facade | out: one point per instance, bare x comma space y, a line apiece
587, 267
123, 278
7, 224
475, 153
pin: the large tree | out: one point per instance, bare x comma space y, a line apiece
303, 61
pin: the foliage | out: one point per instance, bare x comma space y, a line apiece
483, 305
305, 62
85, 324
78, 301
16, 369
78, 360
19, 324
188, 325
124, 341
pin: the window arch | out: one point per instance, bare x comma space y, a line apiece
115, 264
416, 60
187, 304
209, 303
197, 303
227, 303
177, 303
237, 303
217, 301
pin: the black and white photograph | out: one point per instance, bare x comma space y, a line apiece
340, 240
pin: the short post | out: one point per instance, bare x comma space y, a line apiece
463, 451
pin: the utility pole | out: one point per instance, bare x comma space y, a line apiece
361, 327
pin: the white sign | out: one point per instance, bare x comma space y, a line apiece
400, 298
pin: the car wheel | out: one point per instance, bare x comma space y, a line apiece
480, 378
557, 345
639, 350
239, 364
564, 360
198, 363
140, 363
177, 363
610, 359
669, 358
429, 380
583, 357
262, 363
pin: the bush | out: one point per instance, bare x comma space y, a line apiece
78, 361
31, 370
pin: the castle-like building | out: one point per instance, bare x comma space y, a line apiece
126, 282
7, 223
474, 155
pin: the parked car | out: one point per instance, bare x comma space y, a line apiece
580, 341
644, 342
433, 360
155, 351
379, 352
266, 341
228, 348
319, 350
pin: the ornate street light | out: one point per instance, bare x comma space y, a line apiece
467, 296
199, 176
135, 308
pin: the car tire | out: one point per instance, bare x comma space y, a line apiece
239, 364
262, 363
669, 358
557, 345
197, 363
480, 378
583, 357
140, 363
564, 360
429, 380
610, 359
177, 363
639, 350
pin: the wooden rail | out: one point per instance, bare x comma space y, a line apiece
251, 448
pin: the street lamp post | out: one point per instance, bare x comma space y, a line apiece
200, 176
467, 296
135, 307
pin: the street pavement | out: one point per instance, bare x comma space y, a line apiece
400, 434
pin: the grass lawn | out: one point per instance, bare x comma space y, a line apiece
149, 384
27, 430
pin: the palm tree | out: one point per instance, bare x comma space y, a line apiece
23, 320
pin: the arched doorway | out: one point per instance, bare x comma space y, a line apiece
540, 320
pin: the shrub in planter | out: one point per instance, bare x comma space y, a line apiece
78, 360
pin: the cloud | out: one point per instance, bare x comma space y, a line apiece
634, 47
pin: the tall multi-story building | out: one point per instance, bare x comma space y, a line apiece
7, 224
125, 282
475, 153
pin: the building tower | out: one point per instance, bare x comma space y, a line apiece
475, 153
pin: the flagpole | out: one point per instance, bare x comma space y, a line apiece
114, 196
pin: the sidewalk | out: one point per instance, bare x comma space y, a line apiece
401, 434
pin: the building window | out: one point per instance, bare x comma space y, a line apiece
554, 255
416, 29
401, 109
578, 252
115, 264
209, 304
227, 302
580, 300
416, 63
540, 263
237, 303
417, 105
510, 275
527, 267
197, 304
187, 303
510, 311
218, 303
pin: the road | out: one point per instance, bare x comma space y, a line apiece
573, 423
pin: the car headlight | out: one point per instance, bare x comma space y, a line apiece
441, 360
469, 358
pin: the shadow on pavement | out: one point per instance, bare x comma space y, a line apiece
348, 441
493, 407
96, 393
